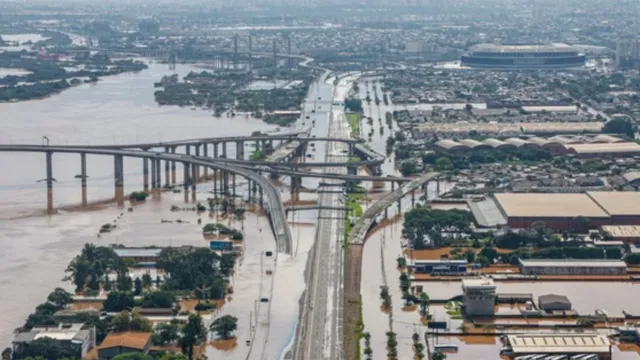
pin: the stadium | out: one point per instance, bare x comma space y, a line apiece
520, 57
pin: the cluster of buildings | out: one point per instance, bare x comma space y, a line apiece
579, 146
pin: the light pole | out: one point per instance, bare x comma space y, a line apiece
45, 138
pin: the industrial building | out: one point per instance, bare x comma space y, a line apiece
479, 297
82, 338
569, 344
572, 267
518, 57
558, 211
553, 302
440, 266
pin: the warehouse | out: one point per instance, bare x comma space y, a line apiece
603, 149
622, 207
572, 267
557, 211
559, 344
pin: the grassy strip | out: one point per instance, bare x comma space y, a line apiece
256, 155
354, 123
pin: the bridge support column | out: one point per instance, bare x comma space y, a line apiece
196, 167
352, 170
393, 186
261, 197
413, 199
215, 183
295, 188
224, 150
233, 184
167, 169
188, 149
154, 181
194, 180
249, 190
118, 171
205, 153
225, 183
185, 181
83, 174
240, 150
386, 213
215, 150
49, 183
145, 174
158, 174
437, 187
173, 167
425, 189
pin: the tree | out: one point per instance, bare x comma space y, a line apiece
48, 348
620, 125
489, 252
137, 286
443, 163
133, 356
166, 333
469, 255
408, 167
632, 259
60, 298
126, 321
146, 280
193, 333
123, 282
159, 299
483, 261
424, 303
438, 356
118, 301
225, 326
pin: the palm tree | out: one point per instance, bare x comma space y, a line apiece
424, 303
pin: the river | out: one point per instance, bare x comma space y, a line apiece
120, 109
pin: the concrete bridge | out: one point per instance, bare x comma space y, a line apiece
191, 167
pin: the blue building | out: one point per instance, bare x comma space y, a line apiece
440, 266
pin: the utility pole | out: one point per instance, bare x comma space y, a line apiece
250, 56
235, 52
289, 50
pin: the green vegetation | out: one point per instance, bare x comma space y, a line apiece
138, 196
430, 228
197, 270
620, 125
354, 123
453, 309
126, 321
118, 301
48, 348
225, 326
89, 269
193, 333
632, 259
283, 121
353, 105
223, 230
392, 346
465, 160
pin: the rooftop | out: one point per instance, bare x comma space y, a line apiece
130, 339
478, 283
549, 205
621, 231
572, 263
551, 298
616, 202
596, 148
137, 252
62, 333
498, 48
559, 343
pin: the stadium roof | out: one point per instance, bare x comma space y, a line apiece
497, 48
616, 202
603, 148
450, 144
559, 343
549, 205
